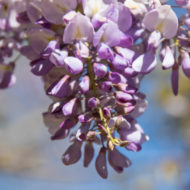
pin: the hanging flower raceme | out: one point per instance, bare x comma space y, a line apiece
91, 55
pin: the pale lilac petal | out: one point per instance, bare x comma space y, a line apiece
70, 107
169, 59
73, 65
145, 63
84, 84
100, 70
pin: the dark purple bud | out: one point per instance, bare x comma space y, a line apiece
105, 52
41, 67
100, 69
185, 63
175, 80
107, 112
73, 65
93, 102
84, 84
70, 107
60, 88
72, 154
107, 86
101, 166
88, 154
119, 62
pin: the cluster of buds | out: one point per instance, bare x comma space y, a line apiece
92, 55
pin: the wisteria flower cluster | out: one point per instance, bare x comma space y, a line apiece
92, 56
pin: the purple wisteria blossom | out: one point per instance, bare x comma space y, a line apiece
91, 56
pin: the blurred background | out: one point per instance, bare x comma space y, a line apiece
30, 161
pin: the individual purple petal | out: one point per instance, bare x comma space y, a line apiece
125, 18
39, 39
134, 135
101, 166
72, 154
145, 63
52, 122
185, 63
82, 50
59, 88
54, 10
123, 97
118, 161
41, 67
169, 59
100, 69
127, 88
125, 40
154, 40
64, 129
70, 107
107, 86
93, 102
84, 84
73, 65
116, 78
119, 62
57, 57
130, 72
79, 28
105, 52
141, 105
29, 52
126, 53
88, 154
69, 16
52, 45
7, 79
175, 80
